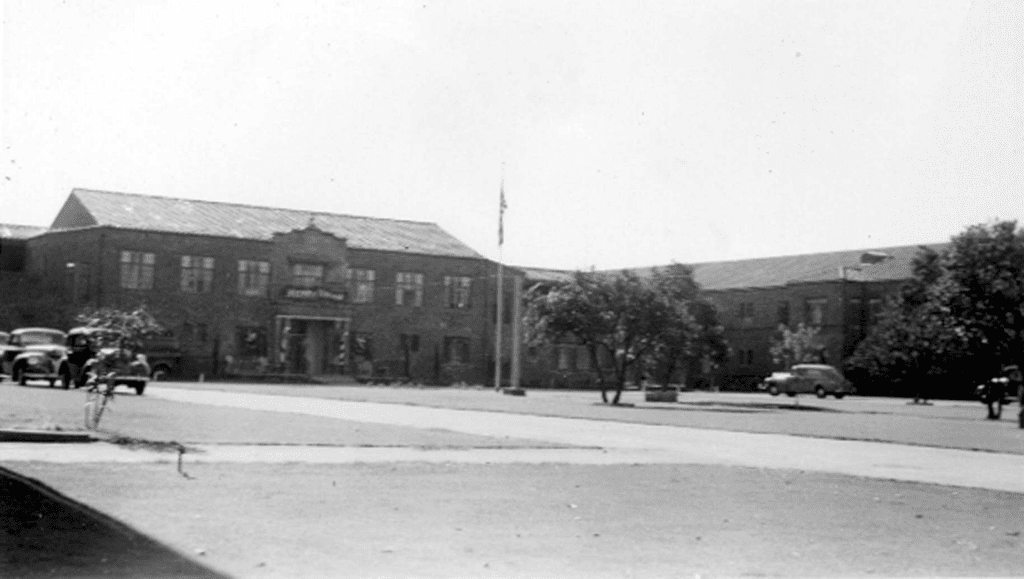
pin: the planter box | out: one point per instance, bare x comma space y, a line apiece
661, 396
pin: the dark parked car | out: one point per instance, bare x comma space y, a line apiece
33, 354
820, 379
103, 352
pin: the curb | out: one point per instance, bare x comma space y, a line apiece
19, 435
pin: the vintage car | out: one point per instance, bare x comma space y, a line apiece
102, 353
33, 354
819, 379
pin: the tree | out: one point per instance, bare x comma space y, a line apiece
135, 326
691, 331
798, 346
625, 321
616, 317
957, 322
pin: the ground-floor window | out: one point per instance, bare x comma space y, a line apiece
456, 350
252, 341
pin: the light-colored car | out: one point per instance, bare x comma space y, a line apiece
819, 379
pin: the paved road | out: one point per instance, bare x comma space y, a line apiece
648, 443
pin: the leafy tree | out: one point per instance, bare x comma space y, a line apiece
624, 321
617, 318
691, 329
957, 322
135, 326
799, 346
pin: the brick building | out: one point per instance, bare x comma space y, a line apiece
253, 290
261, 290
840, 293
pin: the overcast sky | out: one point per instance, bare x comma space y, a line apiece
631, 133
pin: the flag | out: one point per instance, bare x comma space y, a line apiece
501, 215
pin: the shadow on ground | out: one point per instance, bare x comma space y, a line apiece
45, 534
745, 407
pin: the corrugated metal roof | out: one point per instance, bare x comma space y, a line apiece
875, 264
11, 231
167, 214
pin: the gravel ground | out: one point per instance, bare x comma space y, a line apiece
424, 520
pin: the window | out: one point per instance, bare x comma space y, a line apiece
456, 350
409, 343
815, 314
137, 270
360, 285
196, 274
566, 357
874, 309
783, 313
307, 274
253, 277
362, 346
457, 290
194, 333
77, 281
747, 312
582, 358
408, 289
252, 342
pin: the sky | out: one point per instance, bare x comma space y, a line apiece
626, 133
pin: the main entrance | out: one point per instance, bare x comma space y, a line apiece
314, 346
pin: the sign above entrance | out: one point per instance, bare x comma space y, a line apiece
305, 293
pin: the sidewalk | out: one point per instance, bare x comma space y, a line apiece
683, 445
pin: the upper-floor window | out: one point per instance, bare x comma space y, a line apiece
360, 285
783, 313
408, 289
253, 277
875, 306
458, 292
137, 270
746, 312
196, 274
815, 311
307, 274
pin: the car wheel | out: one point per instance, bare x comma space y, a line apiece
53, 383
791, 394
839, 395
19, 376
65, 379
160, 373
819, 392
773, 390
139, 389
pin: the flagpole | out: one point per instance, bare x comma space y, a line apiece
498, 318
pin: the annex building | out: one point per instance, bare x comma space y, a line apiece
250, 290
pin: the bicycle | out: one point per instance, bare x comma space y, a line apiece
99, 392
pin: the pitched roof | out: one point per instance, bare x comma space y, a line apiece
86, 207
875, 264
11, 231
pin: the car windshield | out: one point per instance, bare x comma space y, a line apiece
41, 338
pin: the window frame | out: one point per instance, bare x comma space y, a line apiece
137, 274
197, 273
360, 284
408, 281
458, 291
312, 278
245, 278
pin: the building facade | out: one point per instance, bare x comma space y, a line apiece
263, 291
253, 290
